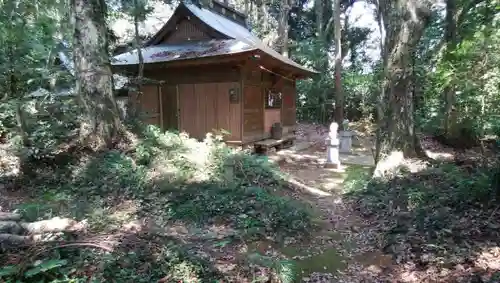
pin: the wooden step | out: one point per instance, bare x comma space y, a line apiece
285, 142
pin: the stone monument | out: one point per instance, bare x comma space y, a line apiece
332, 145
345, 138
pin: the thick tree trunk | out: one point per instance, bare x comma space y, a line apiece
404, 21
339, 94
94, 81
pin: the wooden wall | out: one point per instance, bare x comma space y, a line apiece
253, 106
203, 98
289, 109
258, 120
205, 108
271, 116
196, 100
186, 31
150, 104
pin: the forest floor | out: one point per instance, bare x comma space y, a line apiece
170, 221
434, 221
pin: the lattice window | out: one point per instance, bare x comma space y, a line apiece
273, 99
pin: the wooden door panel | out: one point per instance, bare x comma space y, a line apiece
289, 110
253, 109
170, 107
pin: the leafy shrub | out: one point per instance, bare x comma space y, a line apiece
49, 124
111, 173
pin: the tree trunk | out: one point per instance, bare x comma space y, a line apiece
381, 97
339, 94
404, 21
450, 38
94, 84
283, 28
318, 9
135, 106
322, 63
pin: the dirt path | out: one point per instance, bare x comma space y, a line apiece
355, 246
344, 254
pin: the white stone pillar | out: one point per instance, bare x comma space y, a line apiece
332, 145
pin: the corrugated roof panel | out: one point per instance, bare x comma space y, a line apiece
191, 50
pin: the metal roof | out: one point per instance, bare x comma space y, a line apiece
242, 40
241, 33
189, 50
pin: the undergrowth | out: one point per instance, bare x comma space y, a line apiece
443, 216
166, 178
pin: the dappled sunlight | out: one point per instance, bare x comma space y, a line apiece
444, 156
489, 259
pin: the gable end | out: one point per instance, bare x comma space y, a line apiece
183, 26
184, 31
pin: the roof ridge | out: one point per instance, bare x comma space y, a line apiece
210, 6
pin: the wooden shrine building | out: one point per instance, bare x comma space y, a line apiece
215, 75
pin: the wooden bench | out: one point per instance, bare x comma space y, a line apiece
263, 146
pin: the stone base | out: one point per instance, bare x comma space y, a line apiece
332, 165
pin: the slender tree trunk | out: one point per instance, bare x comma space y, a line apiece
136, 105
381, 97
318, 10
283, 27
94, 83
322, 63
247, 7
450, 38
404, 21
339, 94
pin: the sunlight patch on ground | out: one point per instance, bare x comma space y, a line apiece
489, 259
439, 155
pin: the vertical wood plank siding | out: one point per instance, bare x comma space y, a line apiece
289, 110
205, 108
186, 31
149, 103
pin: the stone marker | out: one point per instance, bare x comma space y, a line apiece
346, 141
332, 148
345, 138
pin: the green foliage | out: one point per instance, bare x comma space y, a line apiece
146, 263
440, 216
252, 210
285, 269
49, 124
111, 173
357, 179
168, 178
245, 201
470, 68
7, 117
444, 185
315, 99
